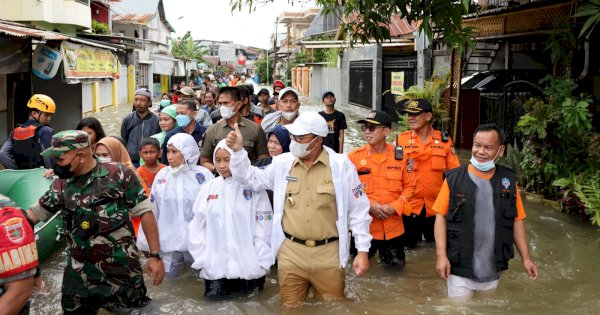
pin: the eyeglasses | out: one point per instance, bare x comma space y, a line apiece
371, 128
301, 138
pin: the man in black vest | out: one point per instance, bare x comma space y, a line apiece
479, 217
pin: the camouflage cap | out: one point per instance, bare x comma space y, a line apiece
66, 141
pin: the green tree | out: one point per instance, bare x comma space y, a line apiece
186, 49
261, 69
366, 20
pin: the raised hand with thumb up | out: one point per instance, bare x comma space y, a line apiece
235, 140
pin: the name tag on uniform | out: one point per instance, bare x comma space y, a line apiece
291, 178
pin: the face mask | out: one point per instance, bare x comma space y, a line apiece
106, 159
177, 170
227, 112
299, 149
164, 103
485, 166
289, 115
64, 172
182, 120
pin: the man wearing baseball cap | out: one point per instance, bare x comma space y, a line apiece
97, 201
289, 103
389, 184
432, 153
317, 198
139, 124
263, 102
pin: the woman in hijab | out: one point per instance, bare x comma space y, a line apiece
230, 235
110, 149
174, 190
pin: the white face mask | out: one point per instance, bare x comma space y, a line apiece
299, 150
106, 159
227, 112
485, 166
289, 115
177, 170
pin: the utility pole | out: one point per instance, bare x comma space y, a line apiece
267, 67
275, 48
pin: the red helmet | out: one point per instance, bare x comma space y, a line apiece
278, 83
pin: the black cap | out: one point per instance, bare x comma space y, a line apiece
327, 93
263, 91
416, 106
377, 117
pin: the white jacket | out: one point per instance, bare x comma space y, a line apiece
230, 234
351, 200
173, 196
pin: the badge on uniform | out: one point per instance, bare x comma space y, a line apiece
247, 194
14, 230
151, 197
363, 162
212, 197
291, 178
358, 191
85, 225
453, 150
410, 165
505, 182
200, 178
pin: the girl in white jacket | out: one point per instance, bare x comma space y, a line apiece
173, 193
230, 234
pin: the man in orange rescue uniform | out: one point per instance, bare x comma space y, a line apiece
389, 183
432, 153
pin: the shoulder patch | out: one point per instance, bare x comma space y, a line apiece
247, 194
200, 178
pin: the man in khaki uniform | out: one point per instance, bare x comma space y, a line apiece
317, 197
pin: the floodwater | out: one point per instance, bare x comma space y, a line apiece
565, 250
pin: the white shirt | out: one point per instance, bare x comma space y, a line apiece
230, 234
351, 200
172, 199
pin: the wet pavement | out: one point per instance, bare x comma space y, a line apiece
565, 250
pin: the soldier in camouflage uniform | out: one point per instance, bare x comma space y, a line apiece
103, 268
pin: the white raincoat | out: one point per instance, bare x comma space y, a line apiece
173, 196
351, 200
230, 234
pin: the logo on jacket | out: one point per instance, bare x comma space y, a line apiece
14, 230
247, 194
212, 197
200, 178
264, 216
358, 191
410, 165
505, 182
151, 197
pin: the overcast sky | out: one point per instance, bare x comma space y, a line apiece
213, 19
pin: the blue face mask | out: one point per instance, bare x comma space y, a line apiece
182, 120
485, 166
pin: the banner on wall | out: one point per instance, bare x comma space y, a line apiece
397, 87
86, 62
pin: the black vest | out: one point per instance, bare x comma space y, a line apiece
461, 213
26, 147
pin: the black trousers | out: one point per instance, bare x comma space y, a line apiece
391, 252
214, 289
416, 227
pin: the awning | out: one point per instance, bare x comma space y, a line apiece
163, 64
20, 30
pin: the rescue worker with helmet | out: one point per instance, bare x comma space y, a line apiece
389, 183
432, 153
18, 259
25, 143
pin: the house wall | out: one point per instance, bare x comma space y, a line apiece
58, 12
100, 13
374, 53
68, 99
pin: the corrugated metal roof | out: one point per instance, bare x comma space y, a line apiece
399, 26
21, 30
143, 19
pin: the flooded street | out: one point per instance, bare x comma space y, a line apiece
565, 250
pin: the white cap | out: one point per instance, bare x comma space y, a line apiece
287, 90
308, 122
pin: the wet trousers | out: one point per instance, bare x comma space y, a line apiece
391, 252
416, 227
215, 289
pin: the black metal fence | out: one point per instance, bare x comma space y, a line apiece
361, 83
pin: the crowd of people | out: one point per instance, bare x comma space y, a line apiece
230, 183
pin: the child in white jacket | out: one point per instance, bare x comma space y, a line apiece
173, 193
230, 234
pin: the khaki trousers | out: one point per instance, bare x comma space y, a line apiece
301, 267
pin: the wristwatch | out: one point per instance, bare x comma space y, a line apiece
157, 255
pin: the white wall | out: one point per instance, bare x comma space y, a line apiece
50, 11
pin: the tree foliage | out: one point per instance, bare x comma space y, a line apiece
187, 49
365, 20
590, 10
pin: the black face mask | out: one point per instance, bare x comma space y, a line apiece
64, 172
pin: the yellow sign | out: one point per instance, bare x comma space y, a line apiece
81, 61
397, 86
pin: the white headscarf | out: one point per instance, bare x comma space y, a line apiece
187, 146
221, 145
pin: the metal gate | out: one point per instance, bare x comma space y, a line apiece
406, 65
505, 108
361, 83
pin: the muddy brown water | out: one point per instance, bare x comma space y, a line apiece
566, 251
